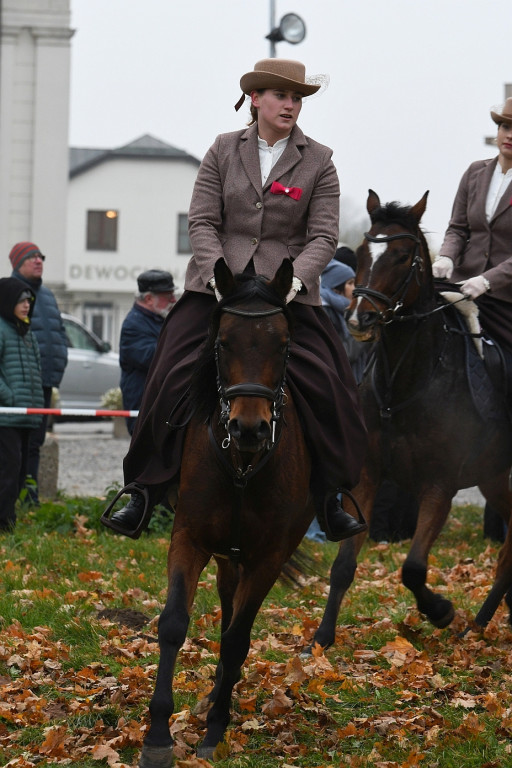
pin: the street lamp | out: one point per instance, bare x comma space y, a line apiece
291, 29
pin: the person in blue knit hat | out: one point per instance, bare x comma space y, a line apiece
336, 288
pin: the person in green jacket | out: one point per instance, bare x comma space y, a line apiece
20, 387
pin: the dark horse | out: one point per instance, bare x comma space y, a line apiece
425, 432
244, 491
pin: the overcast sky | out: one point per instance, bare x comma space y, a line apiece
407, 109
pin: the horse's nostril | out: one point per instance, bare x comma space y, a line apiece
367, 319
234, 428
251, 433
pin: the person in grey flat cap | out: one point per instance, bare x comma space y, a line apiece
139, 335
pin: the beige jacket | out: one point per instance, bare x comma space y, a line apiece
478, 246
234, 216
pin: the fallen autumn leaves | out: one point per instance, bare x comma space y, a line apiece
392, 692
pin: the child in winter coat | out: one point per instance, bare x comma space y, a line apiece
20, 387
336, 287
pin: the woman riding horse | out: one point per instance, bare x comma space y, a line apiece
262, 194
476, 250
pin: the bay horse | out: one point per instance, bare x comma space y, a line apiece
425, 432
244, 495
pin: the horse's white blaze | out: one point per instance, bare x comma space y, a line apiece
353, 318
376, 251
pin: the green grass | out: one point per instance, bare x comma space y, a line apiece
392, 691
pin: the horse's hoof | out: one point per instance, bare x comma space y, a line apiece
444, 621
205, 753
306, 653
155, 757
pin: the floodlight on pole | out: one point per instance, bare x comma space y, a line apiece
291, 29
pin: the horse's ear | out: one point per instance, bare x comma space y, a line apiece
373, 202
282, 281
419, 209
224, 279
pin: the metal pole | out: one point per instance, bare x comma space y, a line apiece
272, 26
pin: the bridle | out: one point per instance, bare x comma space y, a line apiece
240, 475
395, 302
250, 389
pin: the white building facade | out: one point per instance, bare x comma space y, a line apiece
101, 216
127, 212
34, 117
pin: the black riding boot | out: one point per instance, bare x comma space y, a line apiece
134, 517
335, 522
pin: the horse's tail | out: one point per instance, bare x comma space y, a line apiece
300, 565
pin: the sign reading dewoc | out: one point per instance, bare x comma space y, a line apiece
102, 272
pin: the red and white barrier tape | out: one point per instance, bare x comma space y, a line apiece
68, 412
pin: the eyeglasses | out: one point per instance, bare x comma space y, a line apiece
35, 256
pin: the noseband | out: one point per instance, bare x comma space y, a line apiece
395, 302
250, 389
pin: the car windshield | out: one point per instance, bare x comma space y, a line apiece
79, 338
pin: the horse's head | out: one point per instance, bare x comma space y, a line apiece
393, 266
251, 349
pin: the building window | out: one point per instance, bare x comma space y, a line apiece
102, 230
183, 239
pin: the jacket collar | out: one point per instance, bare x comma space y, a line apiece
251, 159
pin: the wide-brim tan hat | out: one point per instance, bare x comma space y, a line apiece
503, 114
277, 73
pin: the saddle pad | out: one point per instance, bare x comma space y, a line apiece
488, 402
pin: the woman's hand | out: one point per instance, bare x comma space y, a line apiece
213, 286
442, 267
474, 287
296, 287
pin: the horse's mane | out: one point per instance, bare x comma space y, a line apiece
250, 289
394, 213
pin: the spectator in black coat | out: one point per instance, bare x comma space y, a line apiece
139, 334
48, 328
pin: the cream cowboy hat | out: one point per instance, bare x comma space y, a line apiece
277, 73
503, 113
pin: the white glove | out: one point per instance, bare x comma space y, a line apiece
296, 287
213, 285
474, 287
442, 267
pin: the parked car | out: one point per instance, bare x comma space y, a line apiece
92, 367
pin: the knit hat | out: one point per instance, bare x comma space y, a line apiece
336, 274
346, 255
22, 251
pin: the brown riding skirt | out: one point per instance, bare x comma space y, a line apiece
318, 375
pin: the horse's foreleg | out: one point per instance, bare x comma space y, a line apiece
499, 497
227, 581
234, 647
434, 508
185, 564
344, 567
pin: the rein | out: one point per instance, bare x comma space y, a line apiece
239, 476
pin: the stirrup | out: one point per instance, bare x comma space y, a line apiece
146, 515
